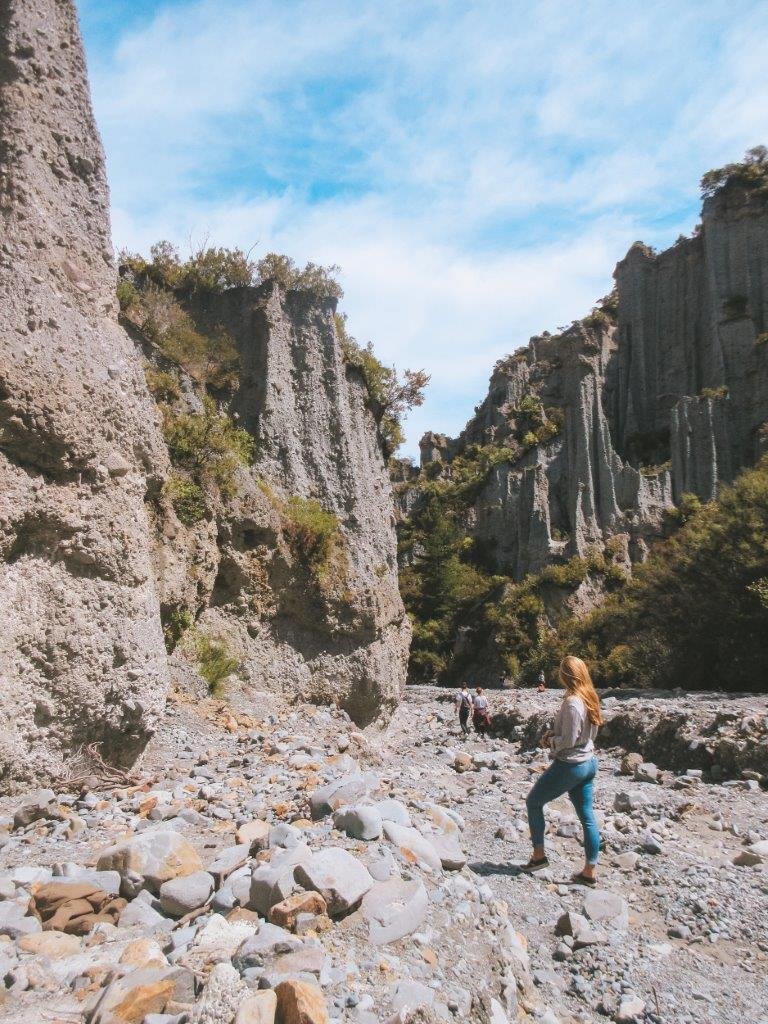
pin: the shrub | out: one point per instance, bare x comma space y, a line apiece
762, 338
176, 621
163, 386
208, 269
318, 280
694, 615
209, 443
210, 359
750, 174
312, 532
716, 393
390, 395
187, 498
529, 440
214, 661
127, 295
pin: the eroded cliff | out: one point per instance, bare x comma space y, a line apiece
250, 517
81, 649
589, 440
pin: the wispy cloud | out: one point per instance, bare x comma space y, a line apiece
475, 169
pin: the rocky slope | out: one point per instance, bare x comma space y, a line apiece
252, 866
94, 561
81, 656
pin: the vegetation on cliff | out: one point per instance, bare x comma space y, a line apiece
695, 615
750, 174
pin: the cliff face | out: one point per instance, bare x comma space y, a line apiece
663, 393
586, 442
81, 649
94, 561
339, 632
689, 322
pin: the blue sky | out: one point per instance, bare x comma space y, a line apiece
475, 168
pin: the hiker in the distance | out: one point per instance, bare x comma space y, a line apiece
481, 715
541, 682
571, 744
464, 706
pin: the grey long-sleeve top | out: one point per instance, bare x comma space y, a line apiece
573, 738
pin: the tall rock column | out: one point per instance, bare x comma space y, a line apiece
82, 659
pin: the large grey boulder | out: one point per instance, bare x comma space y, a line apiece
394, 909
179, 896
83, 659
152, 858
362, 821
414, 843
339, 877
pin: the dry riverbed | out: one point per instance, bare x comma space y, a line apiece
282, 866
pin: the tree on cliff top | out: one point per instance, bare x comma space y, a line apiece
751, 174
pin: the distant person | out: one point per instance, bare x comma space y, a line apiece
502, 681
572, 749
541, 682
464, 705
481, 716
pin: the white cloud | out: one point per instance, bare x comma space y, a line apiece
476, 170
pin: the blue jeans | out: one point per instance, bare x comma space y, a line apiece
577, 780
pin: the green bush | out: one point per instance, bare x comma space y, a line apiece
762, 338
163, 386
317, 280
312, 532
176, 621
214, 661
208, 443
208, 269
390, 396
751, 174
211, 360
695, 613
127, 295
187, 498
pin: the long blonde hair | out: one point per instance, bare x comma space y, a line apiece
575, 677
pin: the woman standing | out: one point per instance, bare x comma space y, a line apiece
573, 768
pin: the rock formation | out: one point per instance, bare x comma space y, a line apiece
93, 559
338, 634
661, 391
81, 655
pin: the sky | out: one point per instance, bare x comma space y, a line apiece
476, 169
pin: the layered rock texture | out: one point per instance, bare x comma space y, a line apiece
93, 558
81, 648
330, 630
661, 391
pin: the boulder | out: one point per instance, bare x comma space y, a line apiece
451, 855
222, 996
285, 913
413, 845
156, 857
393, 810
53, 945
607, 908
362, 821
257, 1008
299, 1002
270, 941
128, 999
346, 790
179, 896
254, 834
394, 909
338, 876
